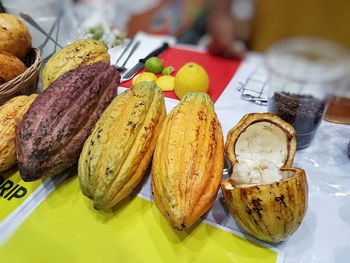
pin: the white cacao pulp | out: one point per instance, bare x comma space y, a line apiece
261, 150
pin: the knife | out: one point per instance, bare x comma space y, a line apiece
142, 62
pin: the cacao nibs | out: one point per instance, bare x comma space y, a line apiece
304, 112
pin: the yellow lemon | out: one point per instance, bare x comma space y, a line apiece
166, 83
145, 76
191, 77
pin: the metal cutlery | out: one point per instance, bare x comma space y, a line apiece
122, 68
142, 62
124, 51
31, 21
57, 21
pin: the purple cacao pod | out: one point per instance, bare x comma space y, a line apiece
55, 127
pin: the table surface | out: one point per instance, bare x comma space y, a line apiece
323, 235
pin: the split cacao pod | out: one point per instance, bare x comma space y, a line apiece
81, 52
11, 114
188, 161
116, 155
271, 212
54, 129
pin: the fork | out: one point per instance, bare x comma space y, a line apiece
122, 68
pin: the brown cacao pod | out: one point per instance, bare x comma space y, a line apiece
116, 155
11, 114
10, 66
188, 161
15, 37
54, 129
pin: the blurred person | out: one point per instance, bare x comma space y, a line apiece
259, 23
171, 17
112, 13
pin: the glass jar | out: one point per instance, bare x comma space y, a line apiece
303, 75
339, 108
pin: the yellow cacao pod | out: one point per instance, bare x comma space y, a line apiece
81, 52
11, 114
116, 155
269, 212
188, 161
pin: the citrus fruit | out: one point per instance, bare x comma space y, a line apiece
165, 83
154, 65
168, 70
191, 77
145, 76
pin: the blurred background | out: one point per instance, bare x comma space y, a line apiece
258, 23
226, 28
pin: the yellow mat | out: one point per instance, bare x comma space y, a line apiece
65, 228
14, 191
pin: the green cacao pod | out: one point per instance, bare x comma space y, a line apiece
81, 52
116, 155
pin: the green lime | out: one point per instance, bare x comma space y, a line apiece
168, 70
154, 65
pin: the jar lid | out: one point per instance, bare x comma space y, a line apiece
308, 60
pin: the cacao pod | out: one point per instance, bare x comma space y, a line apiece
10, 66
55, 127
117, 153
268, 211
15, 37
81, 52
188, 161
11, 114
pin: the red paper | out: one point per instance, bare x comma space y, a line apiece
220, 70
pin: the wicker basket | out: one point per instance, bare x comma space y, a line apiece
25, 83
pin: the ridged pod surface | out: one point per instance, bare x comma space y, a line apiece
116, 155
188, 161
81, 52
54, 129
11, 114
